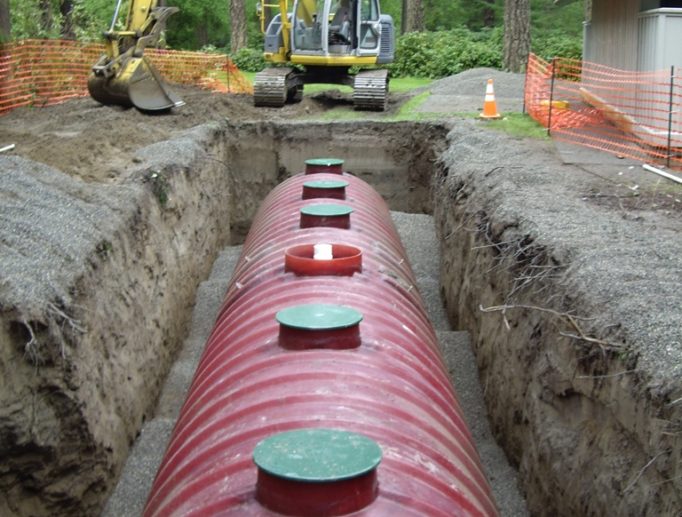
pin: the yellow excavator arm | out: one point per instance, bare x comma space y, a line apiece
123, 75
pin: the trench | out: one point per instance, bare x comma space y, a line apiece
516, 378
546, 401
399, 161
517, 365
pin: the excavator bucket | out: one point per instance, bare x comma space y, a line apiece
137, 84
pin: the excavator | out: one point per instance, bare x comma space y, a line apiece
318, 41
123, 75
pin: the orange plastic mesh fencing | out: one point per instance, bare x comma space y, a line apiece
44, 72
631, 114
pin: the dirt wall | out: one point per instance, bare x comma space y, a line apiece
88, 330
395, 158
570, 311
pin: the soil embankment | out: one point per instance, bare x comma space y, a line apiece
96, 281
570, 306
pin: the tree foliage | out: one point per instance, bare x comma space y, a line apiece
437, 54
462, 33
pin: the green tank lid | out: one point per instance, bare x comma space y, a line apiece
324, 162
328, 210
325, 184
319, 316
317, 455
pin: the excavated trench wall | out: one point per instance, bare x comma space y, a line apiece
107, 296
570, 311
395, 158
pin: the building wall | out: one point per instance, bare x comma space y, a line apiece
660, 35
616, 36
612, 34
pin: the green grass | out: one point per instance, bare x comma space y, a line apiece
343, 113
402, 84
518, 124
406, 84
408, 110
249, 76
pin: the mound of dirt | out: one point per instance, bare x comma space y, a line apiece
95, 143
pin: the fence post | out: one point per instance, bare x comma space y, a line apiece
551, 97
525, 81
670, 115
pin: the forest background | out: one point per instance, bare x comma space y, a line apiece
448, 36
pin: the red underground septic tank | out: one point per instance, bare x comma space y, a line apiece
321, 390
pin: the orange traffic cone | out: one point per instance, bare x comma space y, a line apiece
490, 106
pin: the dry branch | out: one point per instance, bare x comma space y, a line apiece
571, 319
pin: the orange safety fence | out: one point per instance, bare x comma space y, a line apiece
631, 114
44, 72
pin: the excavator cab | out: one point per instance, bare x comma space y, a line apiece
325, 38
352, 29
123, 75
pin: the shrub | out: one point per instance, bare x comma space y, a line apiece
558, 45
438, 54
248, 59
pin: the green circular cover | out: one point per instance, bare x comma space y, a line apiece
330, 210
319, 316
326, 184
324, 162
317, 455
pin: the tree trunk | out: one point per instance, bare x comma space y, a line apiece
202, 31
45, 7
413, 16
66, 8
238, 36
516, 34
489, 14
5, 25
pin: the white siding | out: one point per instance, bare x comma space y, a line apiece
613, 34
660, 36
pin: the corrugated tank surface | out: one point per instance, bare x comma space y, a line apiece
259, 377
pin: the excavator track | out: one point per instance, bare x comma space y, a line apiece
270, 87
370, 90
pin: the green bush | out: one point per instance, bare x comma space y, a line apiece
443, 53
557, 45
249, 59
